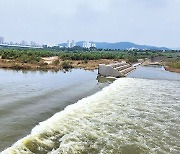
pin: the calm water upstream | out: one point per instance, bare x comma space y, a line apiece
26, 98
133, 115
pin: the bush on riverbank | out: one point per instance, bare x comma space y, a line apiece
34, 56
174, 64
90, 55
25, 55
66, 65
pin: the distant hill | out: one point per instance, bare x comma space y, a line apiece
119, 45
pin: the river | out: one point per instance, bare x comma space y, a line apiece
137, 114
26, 98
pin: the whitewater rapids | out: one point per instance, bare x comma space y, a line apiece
129, 116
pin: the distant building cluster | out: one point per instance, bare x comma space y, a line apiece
23, 43
88, 45
71, 44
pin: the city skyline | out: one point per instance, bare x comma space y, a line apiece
22, 43
83, 44
69, 44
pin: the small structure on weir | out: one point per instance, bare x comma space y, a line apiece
115, 70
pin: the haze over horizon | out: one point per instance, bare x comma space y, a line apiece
154, 22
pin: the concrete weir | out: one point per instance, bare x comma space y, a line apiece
115, 69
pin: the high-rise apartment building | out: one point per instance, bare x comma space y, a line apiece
73, 44
88, 44
33, 44
1, 40
23, 43
68, 44
93, 45
84, 44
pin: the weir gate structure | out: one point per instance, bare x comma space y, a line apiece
115, 70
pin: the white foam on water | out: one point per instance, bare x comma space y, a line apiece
129, 116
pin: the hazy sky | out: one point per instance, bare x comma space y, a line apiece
150, 22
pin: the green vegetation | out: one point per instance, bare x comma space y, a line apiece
25, 55
66, 65
172, 59
33, 56
174, 64
95, 55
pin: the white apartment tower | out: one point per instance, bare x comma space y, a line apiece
1, 40
68, 44
88, 44
84, 44
73, 44
93, 45
33, 44
23, 43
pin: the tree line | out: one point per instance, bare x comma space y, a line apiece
34, 55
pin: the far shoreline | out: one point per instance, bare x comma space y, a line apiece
71, 64
64, 65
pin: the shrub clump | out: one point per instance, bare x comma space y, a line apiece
174, 64
66, 65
